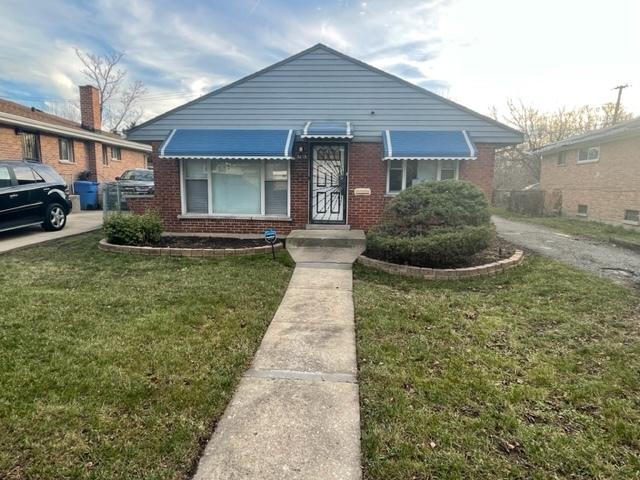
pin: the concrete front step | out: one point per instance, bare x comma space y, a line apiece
325, 226
326, 238
325, 246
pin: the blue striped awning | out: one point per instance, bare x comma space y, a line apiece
428, 145
327, 129
228, 144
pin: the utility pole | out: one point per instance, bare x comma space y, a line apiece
617, 110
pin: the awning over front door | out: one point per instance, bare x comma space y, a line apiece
228, 144
428, 145
327, 129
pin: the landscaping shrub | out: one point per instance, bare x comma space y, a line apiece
433, 224
444, 247
123, 229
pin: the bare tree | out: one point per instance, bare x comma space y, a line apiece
119, 101
517, 165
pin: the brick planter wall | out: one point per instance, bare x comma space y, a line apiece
444, 273
186, 252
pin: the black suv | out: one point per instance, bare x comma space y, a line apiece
32, 194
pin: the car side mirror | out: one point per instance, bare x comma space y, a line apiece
117, 178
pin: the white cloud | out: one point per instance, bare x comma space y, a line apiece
548, 53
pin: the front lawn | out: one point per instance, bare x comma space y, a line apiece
529, 374
117, 366
575, 226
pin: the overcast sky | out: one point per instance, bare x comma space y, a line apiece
549, 53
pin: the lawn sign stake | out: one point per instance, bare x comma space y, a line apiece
270, 237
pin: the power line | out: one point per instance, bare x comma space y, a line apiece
617, 109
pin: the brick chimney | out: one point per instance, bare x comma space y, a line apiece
90, 115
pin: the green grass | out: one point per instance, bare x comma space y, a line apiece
532, 374
117, 366
574, 226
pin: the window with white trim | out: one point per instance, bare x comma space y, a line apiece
562, 159
236, 187
402, 174
590, 154
105, 155
632, 216
65, 150
116, 153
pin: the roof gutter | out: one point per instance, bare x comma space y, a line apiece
16, 120
589, 138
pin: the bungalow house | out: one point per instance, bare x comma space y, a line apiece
27, 133
595, 175
317, 138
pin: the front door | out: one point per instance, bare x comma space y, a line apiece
328, 183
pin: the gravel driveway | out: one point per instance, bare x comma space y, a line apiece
602, 259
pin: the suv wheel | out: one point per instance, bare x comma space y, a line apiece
54, 218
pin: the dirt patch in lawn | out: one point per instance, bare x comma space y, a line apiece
210, 242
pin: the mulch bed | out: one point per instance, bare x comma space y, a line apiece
210, 242
498, 250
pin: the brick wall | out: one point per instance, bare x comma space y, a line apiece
87, 156
168, 204
480, 170
608, 187
115, 168
366, 170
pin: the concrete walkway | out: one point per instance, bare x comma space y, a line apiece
602, 259
296, 413
80, 222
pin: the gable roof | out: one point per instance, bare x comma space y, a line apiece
321, 83
614, 132
15, 114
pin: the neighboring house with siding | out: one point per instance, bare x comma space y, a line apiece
27, 133
318, 138
595, 175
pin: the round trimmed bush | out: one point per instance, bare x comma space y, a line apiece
433, 224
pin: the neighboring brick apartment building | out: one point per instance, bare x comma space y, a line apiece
27, 133
318, 138
595, 175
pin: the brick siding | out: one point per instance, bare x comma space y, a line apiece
366, 170
608, 187
480, 170
87, 156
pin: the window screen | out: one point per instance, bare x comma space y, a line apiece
105, 155
582, 209
395, 175
588, 154
448, 169
65, 149
632, 215
562, 159
276, 187
196, 186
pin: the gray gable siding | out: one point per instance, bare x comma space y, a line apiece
321, 84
